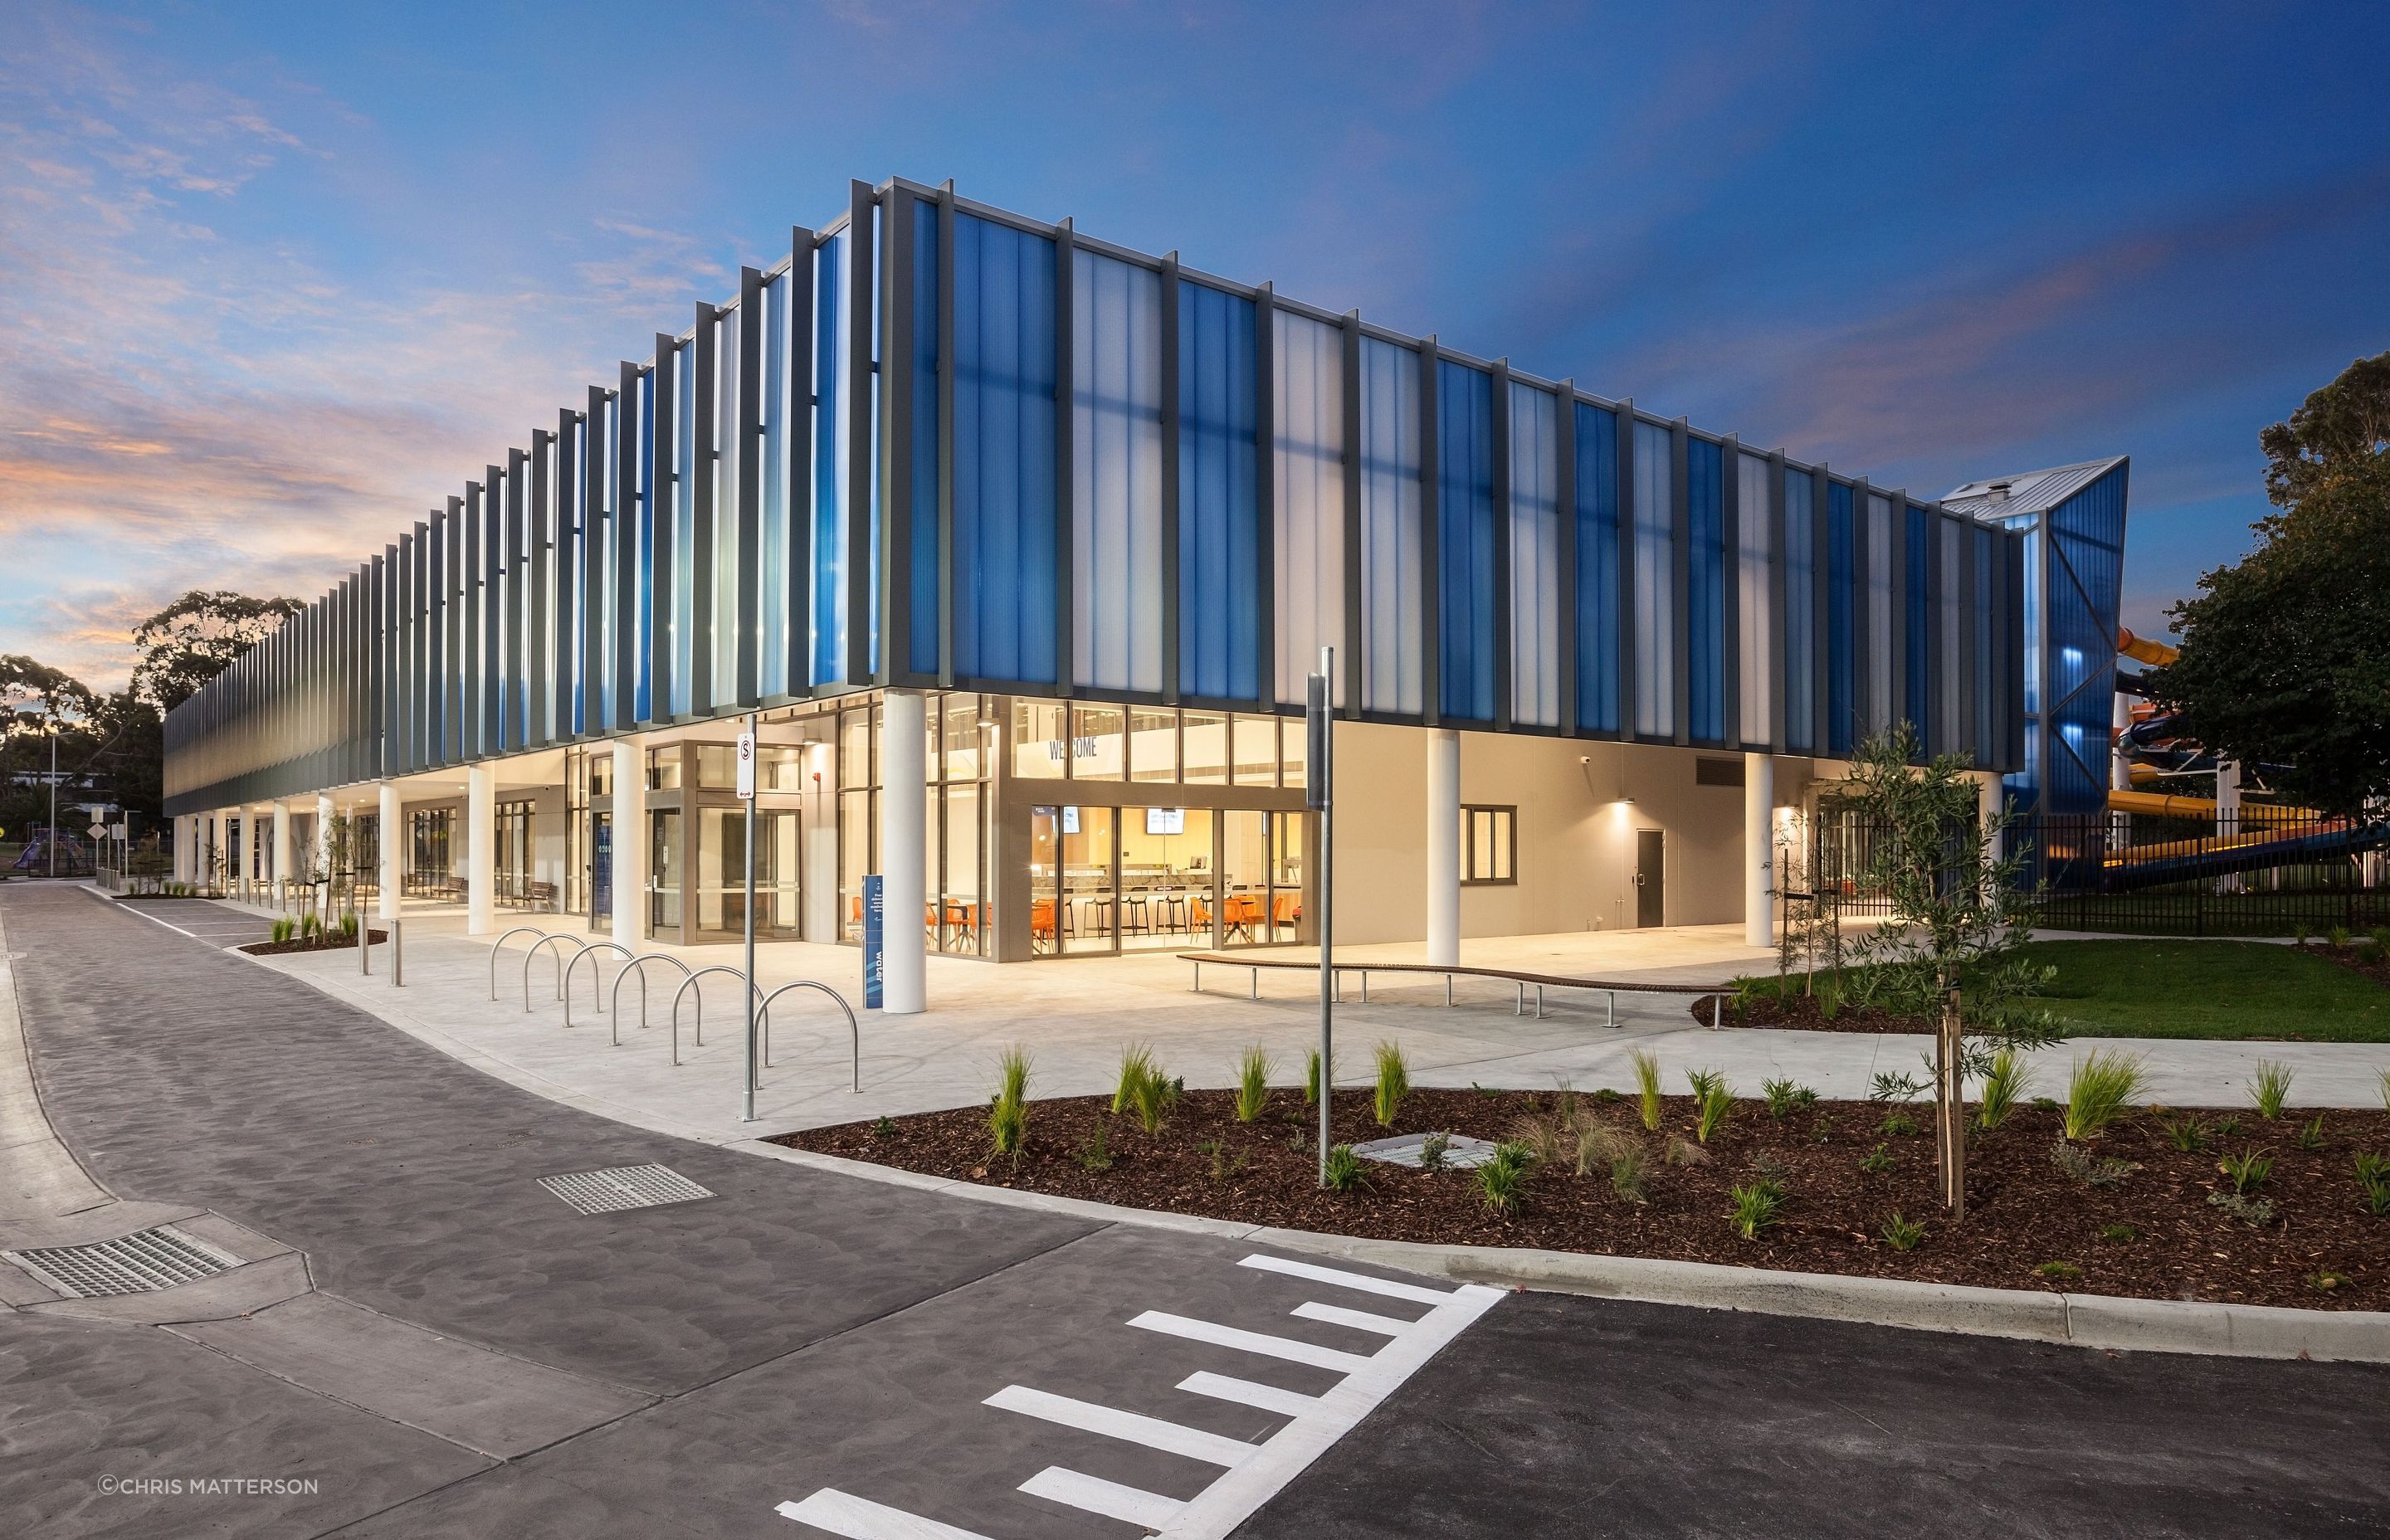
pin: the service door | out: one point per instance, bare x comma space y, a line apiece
1651, 866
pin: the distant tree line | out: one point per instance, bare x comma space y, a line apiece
114, 742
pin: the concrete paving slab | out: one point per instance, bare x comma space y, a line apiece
498, 1405
88, 1408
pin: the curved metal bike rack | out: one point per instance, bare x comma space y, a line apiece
517, 931
633, 967
562, 963
589, 950
854, 1032
686, 985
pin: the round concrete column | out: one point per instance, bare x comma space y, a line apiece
627, 849
282, 848
480, 850
904, 844
386, 839
1758, 851
325, 813
1444, 846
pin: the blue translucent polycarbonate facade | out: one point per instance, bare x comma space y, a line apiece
2083, 549
1218, 507
1131, 483
1308, 497
1706, 590
1842, 606
1004, 473
1465, 543
1534, 573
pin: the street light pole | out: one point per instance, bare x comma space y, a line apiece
53, 798
1319, 730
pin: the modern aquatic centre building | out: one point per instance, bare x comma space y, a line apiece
1022, 544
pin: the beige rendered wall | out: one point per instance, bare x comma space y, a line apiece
1576, 833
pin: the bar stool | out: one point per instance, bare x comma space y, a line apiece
1133, 914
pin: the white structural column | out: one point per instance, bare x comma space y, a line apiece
282, 847
1758, 849
386, 839
903, 794
2228, 814
481, 849
1444, 846
323, 856
1991, 800
627, 848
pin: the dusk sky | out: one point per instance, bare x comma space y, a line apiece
274, 280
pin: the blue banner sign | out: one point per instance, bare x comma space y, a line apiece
873, 929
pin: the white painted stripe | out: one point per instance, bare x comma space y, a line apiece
1235, 1496
1344, 1279
861, 1518
1269, 1398
136, 909
1359, 1320
1129, 1427
1095, 1495
1252, 1342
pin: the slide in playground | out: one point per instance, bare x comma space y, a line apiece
2268, 835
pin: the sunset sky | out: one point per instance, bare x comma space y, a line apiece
274, 280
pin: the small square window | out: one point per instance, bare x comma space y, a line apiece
1489, 846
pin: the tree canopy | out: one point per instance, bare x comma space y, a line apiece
2344, 425
196, 637
2283, 654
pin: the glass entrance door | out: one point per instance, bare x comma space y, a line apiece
1166, 877
1261, 877
1074, 880
720, 891
664, 867
601, 869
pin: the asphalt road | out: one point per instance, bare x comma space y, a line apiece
804, 1353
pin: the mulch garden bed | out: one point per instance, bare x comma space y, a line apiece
2150, 1232
310, 943
1800, 1013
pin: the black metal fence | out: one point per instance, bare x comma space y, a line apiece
2264, 872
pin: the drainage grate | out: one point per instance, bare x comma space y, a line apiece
136, 1264
623, 1187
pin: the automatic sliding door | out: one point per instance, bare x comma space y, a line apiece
1165, 878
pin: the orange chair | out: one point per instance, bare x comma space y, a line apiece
1286, 911
1041, 922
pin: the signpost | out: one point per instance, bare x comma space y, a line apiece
747, 795
1318, 721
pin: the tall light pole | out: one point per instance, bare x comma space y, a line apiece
1319, 729
54, 796
746, 791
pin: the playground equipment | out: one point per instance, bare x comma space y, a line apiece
2249, 837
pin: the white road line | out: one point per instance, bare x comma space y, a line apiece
1130, 1427
145, 914
1344, 1279
861, 1518
1359, 1320
1095, 1495
1269, 1398
1252, 1342
1233, 1498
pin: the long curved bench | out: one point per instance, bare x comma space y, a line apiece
1610, 988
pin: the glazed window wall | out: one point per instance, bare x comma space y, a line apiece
430, 870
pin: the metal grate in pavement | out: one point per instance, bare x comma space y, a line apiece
623, 1187
136, 1264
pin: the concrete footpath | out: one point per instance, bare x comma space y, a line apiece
1075, 1016
446, 1347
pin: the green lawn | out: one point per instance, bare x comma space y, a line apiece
2210, 989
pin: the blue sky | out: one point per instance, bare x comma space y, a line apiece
274, 279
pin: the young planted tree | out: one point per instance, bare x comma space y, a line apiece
1954, 915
